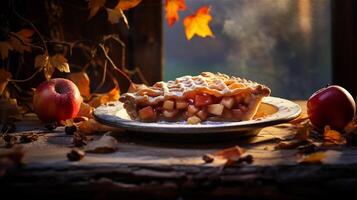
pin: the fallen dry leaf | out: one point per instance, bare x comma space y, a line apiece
85, 110
197, 24
303, 131
114, 16
75, 155
106, 144
82, 81
100, 99
314, 158
127, 4
20, 40
92, 126
230, 156
172, 7
94, 6
302, 118
351, 133
5, 47
49, 63
333, 137
4, 79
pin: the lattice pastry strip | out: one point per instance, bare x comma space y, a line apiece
208, 96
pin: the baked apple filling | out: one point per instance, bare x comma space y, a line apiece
207, 97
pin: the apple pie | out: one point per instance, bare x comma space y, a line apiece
195, 99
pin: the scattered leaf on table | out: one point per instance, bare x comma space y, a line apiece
92, 126
172, 7
100, 99
4, 79
82, 81
292, 144
127, 4
230, 156
85, 110
333, 137
94, 6
351, 127
106, 144
351, 133
114, 16
5, 47
197, 24
302, 118
21, 41
9, 108
314, 158
75, 155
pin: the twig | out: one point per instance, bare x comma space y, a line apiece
113, 64
122, 44
103, 76
29, 78
30, 23
24, 43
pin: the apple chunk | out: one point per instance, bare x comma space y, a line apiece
215, 109
170, 113
181, 104
228, 102
193, 120
202, 114
147, 113
192, 109
168, 105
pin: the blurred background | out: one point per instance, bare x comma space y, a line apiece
285, 44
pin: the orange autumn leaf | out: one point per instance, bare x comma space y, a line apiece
91, 126
94, 6
197, 24
172, 7
85, 110
314, 158
332, 137
101, 99
233, 153
81, 79
127, 4
4, 79
20, 40
5, 47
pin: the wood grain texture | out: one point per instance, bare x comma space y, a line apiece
143, 168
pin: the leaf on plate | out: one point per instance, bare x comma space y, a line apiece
106, 144
4, 79
20, 41
197, 24
127, 4
85, 110
94, 6
172, 7
5, 47
82, 81
333, 137
314, 158
92, 126
100, 99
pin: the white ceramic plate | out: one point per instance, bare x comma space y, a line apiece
272, 111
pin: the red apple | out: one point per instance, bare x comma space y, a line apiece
56, 99
332, 105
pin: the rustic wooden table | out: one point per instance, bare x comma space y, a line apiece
146, 169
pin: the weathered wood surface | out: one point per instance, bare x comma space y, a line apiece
151, 170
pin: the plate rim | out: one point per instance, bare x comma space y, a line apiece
175, 128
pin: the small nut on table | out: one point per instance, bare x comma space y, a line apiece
75, 155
